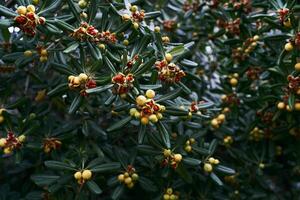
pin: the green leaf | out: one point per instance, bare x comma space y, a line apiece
99, 89
184, 174
119, 124
95, 51
191, 161
144, 67
50, 8
74, 9
7, 12
110, 65
184, 87
118, 192
108, 167
216, 179
176, 111
176, 51
147, 184
171, 95
147, 149
5, 23
44, 180
164, 134
58, 165
224, 169
93, 187
72, 47
58, 90
141, 134
291, 101
75, 104
64, 25
151, 15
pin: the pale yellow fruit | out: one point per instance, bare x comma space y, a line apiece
86, 174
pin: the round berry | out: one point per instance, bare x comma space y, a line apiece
168, 57
153, 118
233, 82
141, 100
188, 148
83, 77
28, 53
121, 177
77, 175
2, 142
288, 46
145, 120
22, 10
150, 94
207, 167
31, 8
177, 157
86, 174
128, 180
82, 4
297, 106
22, 138
281, 105
297, 67
135, 176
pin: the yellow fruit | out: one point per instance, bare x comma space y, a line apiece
153, 118
128, 180
7, 151
28, 53
77, 175
192, 140
221, 117
297, 67
297, 106
86, 174
150, 94
43, 58
172, 197
83, 77
168, 57
141, 100
256, 38
1, 119
82, 4
188, 148
169, 191
253, 44
135, 176
76, 81
216, 162
130, 185
101, 46
137, 115
35, 2
121, 177
223, 97
22, 10
288, 108
159, 115
287, 23
226, 110
167, 152
70, 78
288, 46
44, 52
126, 174
281, 105
211, 160
145, 120
22, 138
83, 15
126, 17
157, 29
207, 167
132, 111
31, 8
133, 8
2, 142
162, 108
136, 25
261, 165
233, 82
214, 123
166, 197
126, 42
177, 157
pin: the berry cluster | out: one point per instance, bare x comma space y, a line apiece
257, 134
217, 121
50, 144
81, 83
11, 142
228, 140
230, 99
232, 27
169, 72
208, 165
188, 144
147, 109
233, 79
171, 159
129, 177
244, 5
241, 53
87, 32
253, 73
170, 25
43, 53
122, 83
191, 5
83, 176
283, 13
28, 20
170, 195
136, 16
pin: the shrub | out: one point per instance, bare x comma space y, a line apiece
149, 100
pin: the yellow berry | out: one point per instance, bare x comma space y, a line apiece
82, 4
192, 140
21, 138
1, 119
221, 117
145, 120
83, 15
281, 105
86, 174
177, 157
7, 150
256, 38
70, 78
35, 2
133, 8
261, 165
288, 108
233, 82
126, 17
101, 46
211, 160
126, 174
121, 177
297, 67
207, 167
141, 100
188, 148
150, 94
126, 42
159, 115
43, 58
77, 175
22, 10
288, 46
132, 111
169, 191
157, 29
167, 152
2, 142
76, 80
128, 180
216, 162
130, 185
44, 52
168, 57
137, 115
153, 118
83, 77
172, 197
287, 23
214, 123
135, 176
136, 25
31, 8
297, 106
28, 53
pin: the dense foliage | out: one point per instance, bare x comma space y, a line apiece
142, 99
